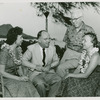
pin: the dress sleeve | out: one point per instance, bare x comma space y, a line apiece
3, 56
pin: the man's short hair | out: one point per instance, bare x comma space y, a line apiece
76, 12
40, 33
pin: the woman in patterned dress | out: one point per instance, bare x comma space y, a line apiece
85, 78
15, 83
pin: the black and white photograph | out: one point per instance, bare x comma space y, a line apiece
49, 49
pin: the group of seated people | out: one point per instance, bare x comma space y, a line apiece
39, 72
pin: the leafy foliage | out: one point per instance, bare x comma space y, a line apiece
59, 9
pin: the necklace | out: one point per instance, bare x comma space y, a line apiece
85, 59
16, 61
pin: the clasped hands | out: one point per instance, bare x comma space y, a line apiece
45, 69
66, 76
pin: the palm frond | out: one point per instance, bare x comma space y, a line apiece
59, 9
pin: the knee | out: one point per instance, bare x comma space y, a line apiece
58, 78
39, 84
60, 68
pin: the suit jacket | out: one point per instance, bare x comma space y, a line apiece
33, 54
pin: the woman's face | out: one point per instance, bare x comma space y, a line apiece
19, 40
87, 42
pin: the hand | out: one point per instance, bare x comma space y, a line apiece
46, 68
23, 78
38, 68
66, 76
20, 71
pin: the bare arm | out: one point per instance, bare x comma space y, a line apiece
77, 70
7, 75
3, 61
20, 71
92, 65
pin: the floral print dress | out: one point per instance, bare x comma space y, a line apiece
15, 88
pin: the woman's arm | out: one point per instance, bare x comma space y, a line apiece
7, 75
77, 70
3, 61
92, 65
20, 71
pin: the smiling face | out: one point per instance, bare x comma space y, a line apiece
19, 40
44, 40
87, 43
76, 21
76, 17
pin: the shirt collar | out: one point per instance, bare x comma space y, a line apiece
42, 48
82, 27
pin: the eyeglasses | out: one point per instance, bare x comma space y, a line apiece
72, 19
46, 39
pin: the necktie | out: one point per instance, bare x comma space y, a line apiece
44, 55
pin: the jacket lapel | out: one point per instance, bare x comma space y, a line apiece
38, 54
48, 55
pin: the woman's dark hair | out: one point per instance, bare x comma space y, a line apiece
94, 39
12, 34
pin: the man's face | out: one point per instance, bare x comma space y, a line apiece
76, 21
44, 40
76, 17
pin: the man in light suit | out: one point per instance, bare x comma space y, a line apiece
42, 74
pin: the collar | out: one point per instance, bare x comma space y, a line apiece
42, 48
82, 27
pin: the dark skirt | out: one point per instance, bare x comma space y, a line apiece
80, 87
